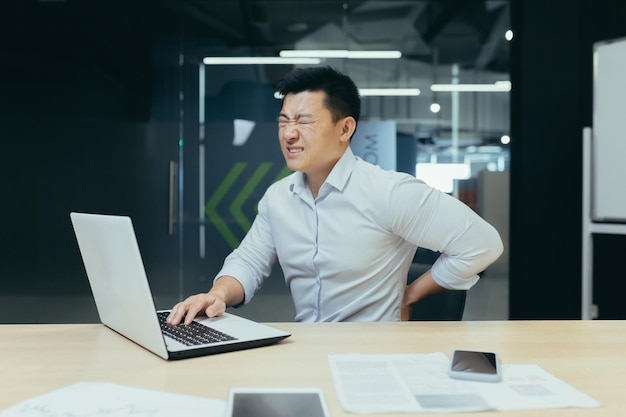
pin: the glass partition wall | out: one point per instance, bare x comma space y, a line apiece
115, 108
437, 73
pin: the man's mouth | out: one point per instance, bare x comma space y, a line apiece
295, 150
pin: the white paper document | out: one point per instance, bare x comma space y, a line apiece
100, 399
413, 383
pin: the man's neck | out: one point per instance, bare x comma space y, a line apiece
315, 182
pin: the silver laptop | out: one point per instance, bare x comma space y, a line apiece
118, 280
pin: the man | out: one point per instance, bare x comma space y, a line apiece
344, 231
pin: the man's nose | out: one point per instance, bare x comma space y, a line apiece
290, 131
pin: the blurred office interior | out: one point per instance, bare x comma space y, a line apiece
111, 107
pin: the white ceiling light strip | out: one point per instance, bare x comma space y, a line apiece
248, 60
340, 53
380, 92
500, 86
389, 92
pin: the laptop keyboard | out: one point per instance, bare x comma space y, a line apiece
194, 334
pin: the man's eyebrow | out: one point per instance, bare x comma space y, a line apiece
298, 116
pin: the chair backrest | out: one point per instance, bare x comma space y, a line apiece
445, 306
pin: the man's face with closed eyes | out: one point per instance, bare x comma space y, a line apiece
311, 142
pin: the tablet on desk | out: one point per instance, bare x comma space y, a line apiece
276, 402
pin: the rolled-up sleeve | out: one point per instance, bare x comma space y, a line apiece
439, 222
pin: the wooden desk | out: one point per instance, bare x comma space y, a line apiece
589, 355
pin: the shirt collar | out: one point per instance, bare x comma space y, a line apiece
342, 170
337, 178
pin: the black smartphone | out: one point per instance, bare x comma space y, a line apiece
475, 366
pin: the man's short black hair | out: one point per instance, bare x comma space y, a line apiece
342, 95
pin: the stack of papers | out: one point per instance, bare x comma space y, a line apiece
413, 383
100, 399
398, 383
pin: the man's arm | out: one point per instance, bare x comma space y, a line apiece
227, 291
434, 220
419, 289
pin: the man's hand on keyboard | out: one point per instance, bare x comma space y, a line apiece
226, 291
207, 303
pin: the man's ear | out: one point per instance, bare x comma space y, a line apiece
347, 128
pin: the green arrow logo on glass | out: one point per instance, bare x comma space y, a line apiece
235, 207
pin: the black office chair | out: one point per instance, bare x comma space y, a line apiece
445, 306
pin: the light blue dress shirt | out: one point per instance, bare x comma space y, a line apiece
345, 255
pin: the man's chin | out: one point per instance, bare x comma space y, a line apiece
292, 165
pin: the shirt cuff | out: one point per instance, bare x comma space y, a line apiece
450, 281
241, 274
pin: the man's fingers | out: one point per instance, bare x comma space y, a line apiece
193, 311
194, 305
214, 310
177, 314
182, 310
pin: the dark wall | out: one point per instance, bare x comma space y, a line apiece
78, 134
551, 102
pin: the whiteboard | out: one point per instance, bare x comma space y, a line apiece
608, 184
